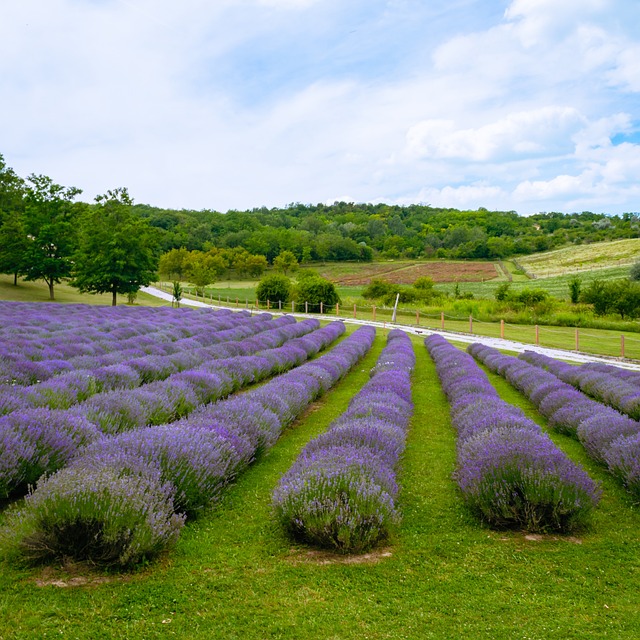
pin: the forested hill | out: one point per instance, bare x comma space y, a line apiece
348, 231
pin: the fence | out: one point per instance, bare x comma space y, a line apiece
605, 342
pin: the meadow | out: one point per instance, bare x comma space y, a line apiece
441, 573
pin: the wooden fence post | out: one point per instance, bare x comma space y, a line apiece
337, 308
577, 339
442, 320
537, 334
622, 346
354, 310
321, 307
502, 329
470, 324
417, 317
306, 307
374, 312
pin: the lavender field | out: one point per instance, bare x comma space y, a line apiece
206, 473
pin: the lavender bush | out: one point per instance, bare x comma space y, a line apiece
596, 426
37, 441
340, 493
510, 474
111, 514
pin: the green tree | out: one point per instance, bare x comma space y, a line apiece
625, 298
204, 268
575, 286
285, 261
13, 245
173, 263
50, 222
274, 287
634, 273
12, 191
601, 295
177, 294
117, 250
502, 292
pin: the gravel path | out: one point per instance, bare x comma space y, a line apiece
498, 343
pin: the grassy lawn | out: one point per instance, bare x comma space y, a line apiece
442, 575
39, 292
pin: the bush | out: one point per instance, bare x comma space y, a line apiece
316, 290
424, 284
377, 288
275, 288
117, 513
517, 477
306, 505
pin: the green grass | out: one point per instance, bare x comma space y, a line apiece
234, 575
584, 257
39, 292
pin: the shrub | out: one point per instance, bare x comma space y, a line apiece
38, 441
114, 514
377, 288
517, 477
274, 287
340, 498
316, 290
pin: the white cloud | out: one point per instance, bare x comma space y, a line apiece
546, 130
235, 104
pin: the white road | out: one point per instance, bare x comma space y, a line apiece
498, 343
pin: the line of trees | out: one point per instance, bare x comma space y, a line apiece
361, 232
45, 234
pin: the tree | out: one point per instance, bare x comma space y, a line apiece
285, 261
50, 222
12, 191
502, 292
13, 245
274, 287
626, 298
117, 250
575, 286
634, 273
601, 295
204, 268
173, 263
177, 294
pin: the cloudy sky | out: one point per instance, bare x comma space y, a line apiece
526, 105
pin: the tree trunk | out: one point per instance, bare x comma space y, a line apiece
15, 279
114, 298
50, 283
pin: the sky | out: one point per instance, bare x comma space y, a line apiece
523, 105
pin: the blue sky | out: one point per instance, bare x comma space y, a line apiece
525, 105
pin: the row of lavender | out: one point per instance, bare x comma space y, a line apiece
604, 383
509, 472
67, 389
341, 491
27, 360
37, 441
127, 497
607, 435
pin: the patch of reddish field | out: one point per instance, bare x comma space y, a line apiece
437, 271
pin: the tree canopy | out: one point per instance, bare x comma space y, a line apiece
117, 251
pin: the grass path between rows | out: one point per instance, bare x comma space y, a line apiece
443, 575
